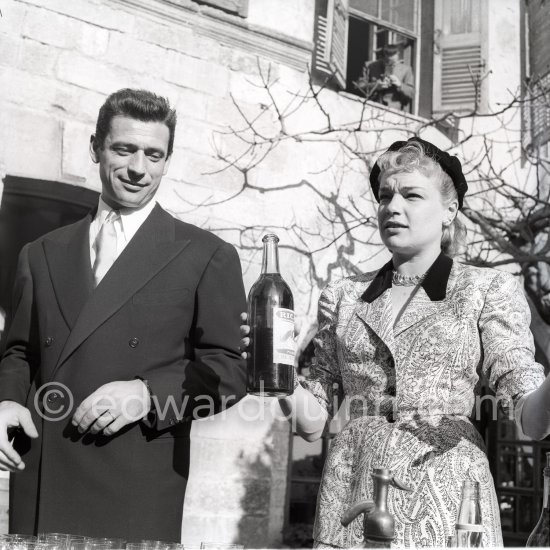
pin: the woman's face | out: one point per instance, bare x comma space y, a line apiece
411, 213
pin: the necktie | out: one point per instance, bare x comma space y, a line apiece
105, 246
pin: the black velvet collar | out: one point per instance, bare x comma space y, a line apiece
435, 282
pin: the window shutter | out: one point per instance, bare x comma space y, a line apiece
537, 111
331, 49
459, 64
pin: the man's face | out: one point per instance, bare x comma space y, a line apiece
391, 59
132, 161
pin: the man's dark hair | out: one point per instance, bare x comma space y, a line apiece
139, 104
390, 49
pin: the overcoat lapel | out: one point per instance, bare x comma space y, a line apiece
68, 261
149, 251
375, 306
378, 316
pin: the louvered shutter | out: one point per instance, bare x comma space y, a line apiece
459, 64
331, 48
537, 107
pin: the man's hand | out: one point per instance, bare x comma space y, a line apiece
13, 415
395, 81
245, 331
113, 406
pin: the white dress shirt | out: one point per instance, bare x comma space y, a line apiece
126, 226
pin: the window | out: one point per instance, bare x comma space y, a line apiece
350, 34
441, 40
536, 72
240, 7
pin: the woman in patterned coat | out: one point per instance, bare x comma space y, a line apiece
407, 345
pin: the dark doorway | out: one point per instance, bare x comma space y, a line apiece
30, 208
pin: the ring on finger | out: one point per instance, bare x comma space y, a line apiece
113, 418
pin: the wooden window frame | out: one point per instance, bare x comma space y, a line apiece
238, 7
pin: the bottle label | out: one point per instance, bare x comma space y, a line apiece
284, 346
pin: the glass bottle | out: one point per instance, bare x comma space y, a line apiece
272, 347
469, 528
540, 536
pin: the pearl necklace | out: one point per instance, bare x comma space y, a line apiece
405, 280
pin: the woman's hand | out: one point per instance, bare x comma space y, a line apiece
245, 331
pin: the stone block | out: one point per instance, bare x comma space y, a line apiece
36, 152
196, 74
9, 50
244, 62
92, 74
168, 36
135, 55
50, 28
13, 16
248, 88
276, 526
49, 95
84, 104
203, 172
4, 507
232, 459
251, 418
92, 12
211, 494
234, 115
191, 104
197, 528
37, 58
196, 136
76, 162
253, 532
27, 89
202, 47
93, 40
62, 31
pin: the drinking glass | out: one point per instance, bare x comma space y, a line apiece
21, 544
221, 546
55, 541
106, 543
158, 545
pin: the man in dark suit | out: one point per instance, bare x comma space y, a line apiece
124, 325
388, 80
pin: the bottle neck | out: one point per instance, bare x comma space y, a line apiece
270, 262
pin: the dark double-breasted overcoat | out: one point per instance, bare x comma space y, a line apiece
168, 312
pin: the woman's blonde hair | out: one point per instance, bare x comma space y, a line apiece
412, 157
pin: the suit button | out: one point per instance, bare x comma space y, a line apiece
172, 422
48, 341
133, 342
53, 397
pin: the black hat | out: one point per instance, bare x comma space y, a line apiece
450, 164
